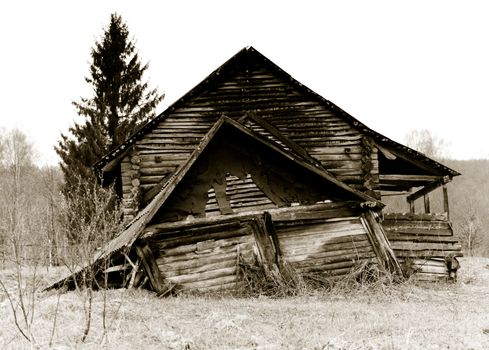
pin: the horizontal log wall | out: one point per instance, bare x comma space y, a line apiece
256, 88
421, 242
203, 258
332, 246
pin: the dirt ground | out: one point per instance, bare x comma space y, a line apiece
406, 316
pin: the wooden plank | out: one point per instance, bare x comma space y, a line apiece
393, 178
400, 245
264, 243
410, 231
426, 198
425, 190
446, 207
380, 243
390, 224
415, 217
427, 253
421, 238
152, 271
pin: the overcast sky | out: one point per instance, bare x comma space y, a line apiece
395, 66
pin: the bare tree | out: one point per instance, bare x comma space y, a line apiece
425, 142
469, 227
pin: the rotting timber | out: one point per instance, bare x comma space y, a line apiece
253, 166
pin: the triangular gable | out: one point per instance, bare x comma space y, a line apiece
145, 216
244, 57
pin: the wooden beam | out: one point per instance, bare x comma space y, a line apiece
380, 243
411, 206
395, 178
429, 188
445, 200
156, 279
427, 203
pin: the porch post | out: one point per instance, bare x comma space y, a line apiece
445, 200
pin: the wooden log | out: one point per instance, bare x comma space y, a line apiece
415, 224
428, 253
219, 244
446, 207
412, 208
149, 171
408, 231
340, 269
415, 217
204, 275
426, 198
308, 248
311, 215
319, 240
409, 178
144, 253
380, 244
220, 253
219, 238
202, 266
359, 249
326, 261
218, 281
331, 229
433, 238
264, 243
400, 245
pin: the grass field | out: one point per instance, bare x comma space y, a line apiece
407, 316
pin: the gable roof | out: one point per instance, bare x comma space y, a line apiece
249, 54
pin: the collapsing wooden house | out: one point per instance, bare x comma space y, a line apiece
251, 165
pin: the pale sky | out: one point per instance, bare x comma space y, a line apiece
393, 65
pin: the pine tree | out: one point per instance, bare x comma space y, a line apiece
121, 102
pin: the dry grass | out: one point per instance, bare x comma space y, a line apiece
405, 316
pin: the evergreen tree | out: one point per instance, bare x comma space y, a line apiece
121, 102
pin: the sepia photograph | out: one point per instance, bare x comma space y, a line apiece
244, 175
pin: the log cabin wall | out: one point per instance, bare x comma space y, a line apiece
131, 185
205, 257
327, 245
255, 87
204, 254
423, 243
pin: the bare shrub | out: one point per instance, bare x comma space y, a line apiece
87, 233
